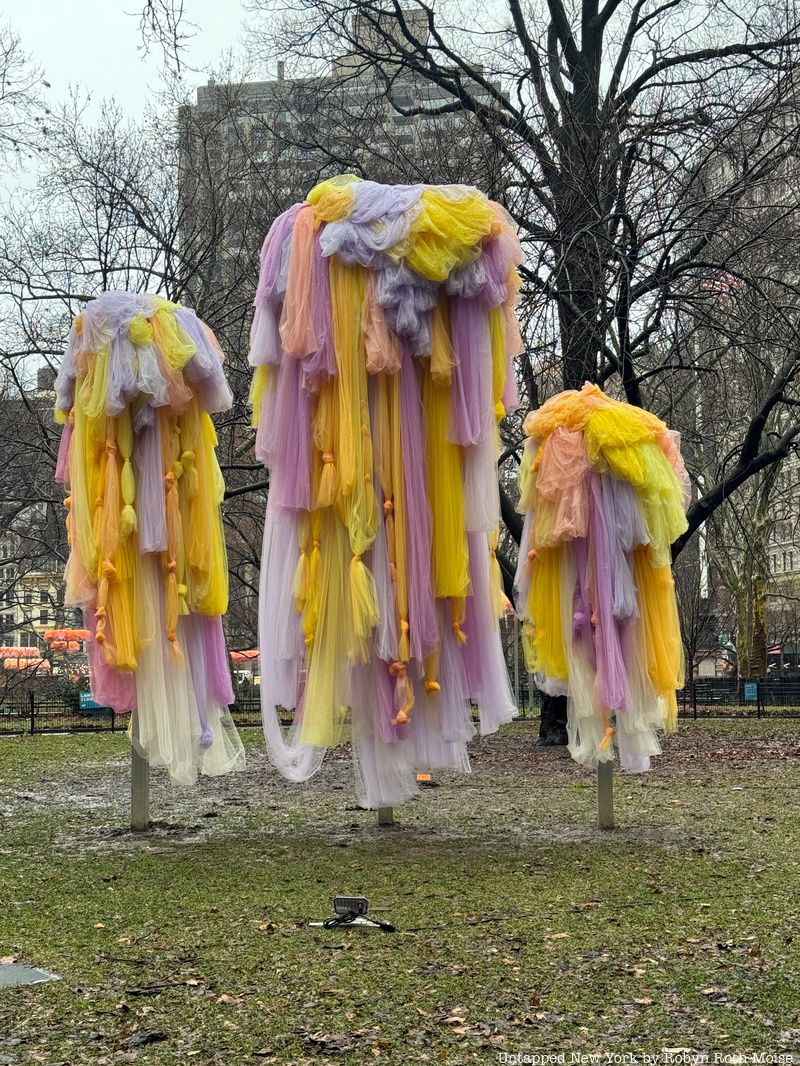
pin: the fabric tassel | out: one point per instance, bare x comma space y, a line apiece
300, 582
403, 694
328, 482
498, 596
364, 603
127, 483
431, 664
311, 611
189, 473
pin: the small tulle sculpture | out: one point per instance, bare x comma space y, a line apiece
147, 559
604, 491
383, 341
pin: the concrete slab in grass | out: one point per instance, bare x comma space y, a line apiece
14, 973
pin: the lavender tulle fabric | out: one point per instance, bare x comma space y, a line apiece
182, 720
421, 610
407, 705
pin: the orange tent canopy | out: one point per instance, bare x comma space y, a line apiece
245, 656
38, 665
66, 634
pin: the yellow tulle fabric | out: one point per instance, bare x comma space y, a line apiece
660, 630
545, 651
104, 520
605, 489
450, 554
382, 562
356, 501
332, 200
497, 333
446, 233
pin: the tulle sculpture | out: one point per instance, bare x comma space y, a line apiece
604, 490
383, 340
147, 558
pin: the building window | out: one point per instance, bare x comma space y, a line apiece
44, 618
791, 560
28, 597
784, 561
43, 596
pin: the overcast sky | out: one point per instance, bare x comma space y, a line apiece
96, 44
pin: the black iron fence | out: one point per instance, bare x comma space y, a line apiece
28, 713
713, 697
723, 697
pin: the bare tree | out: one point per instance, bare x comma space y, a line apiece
105, 213
22, 113
607, 119
176, 203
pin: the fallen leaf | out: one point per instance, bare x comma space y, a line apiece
145, 1036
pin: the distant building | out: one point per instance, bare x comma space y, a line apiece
248, 151
278, 138
31, 595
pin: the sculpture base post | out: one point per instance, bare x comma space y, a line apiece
140, 785
605, 795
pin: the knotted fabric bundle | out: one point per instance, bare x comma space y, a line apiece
383, 345
604, 492
147, 564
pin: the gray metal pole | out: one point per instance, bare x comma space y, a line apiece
140, 784
605, 795
515, 638
385, 816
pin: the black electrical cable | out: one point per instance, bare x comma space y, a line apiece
350, 916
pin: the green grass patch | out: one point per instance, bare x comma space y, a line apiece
521, 928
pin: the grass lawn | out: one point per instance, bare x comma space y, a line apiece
521, 928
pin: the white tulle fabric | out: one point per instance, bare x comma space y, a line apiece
385, 763
636, 730
180, 726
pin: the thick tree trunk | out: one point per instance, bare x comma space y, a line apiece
578, 317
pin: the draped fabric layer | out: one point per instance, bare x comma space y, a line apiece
147, 563
383, 346
603, 488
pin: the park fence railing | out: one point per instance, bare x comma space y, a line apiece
731, 697
714, 697
26, 712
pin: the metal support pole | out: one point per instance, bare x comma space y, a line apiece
140, 784
385, 816
515, 638
605, 795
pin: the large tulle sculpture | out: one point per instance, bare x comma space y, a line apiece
383, 341
604, 491
147, 559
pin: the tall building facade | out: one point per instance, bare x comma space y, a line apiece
248, 151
